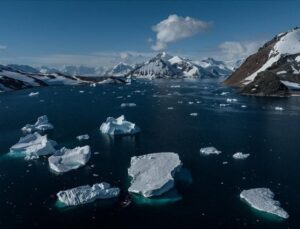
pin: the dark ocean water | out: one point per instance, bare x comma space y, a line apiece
28, 189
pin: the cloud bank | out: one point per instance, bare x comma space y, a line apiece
176, 28
235, 50
2, 47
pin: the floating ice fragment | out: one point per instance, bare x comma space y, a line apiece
87, 194
41, 124
209, 150
170, 108
65, 159
193, 114
231, 100
262, 200
279, 109
33, 145
240, 155
128, 105
33, 93
153, 174
83, 137
118, 126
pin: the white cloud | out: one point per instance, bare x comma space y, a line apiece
176, 28
235, 50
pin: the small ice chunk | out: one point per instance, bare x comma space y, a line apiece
243, 106
33, 146
83, 137
153, 174
209, 150
193, 114
175, 86
41, 124
128, 105
87, 194
33, 93
262, 200
118, 126
65, 159
231, 100
224, 93
279, 109
190, 102
170, 108
240, 155
224, 105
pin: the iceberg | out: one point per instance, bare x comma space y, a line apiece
118, 126
209, 150
279, 109
87, 194
240, 155
65, 159
41, 124
33, 146
83, 137
153, 174
262, 200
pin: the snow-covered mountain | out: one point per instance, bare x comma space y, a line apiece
120, 69
280, 56
166, 66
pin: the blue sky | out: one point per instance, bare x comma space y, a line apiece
56, 31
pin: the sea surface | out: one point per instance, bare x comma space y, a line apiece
207, 198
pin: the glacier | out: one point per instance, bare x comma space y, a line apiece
42, 124
86, 194
153, 174
65, 159
118, 126
262, 200
34, 145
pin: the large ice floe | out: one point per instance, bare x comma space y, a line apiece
209, 150
41, 124
87, 194
262, 200
33, 145
118, 126
153, 174
65, 159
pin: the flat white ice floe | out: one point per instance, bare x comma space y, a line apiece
87, 194
153, 174
33, 146
83, 137
193, 114
33, 93
262, 199
209, 150
240, 155
128, 105
65, 159
41, 124
231, 100
118, 126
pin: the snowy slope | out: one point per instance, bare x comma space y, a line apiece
119, 70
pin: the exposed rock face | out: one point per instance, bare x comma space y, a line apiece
262, 200
87, 194
153, 174
280, 56
266, 84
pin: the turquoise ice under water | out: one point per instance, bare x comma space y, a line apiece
28, 188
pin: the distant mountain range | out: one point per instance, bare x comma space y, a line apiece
273, 70
163, 65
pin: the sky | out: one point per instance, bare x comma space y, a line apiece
96, 33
